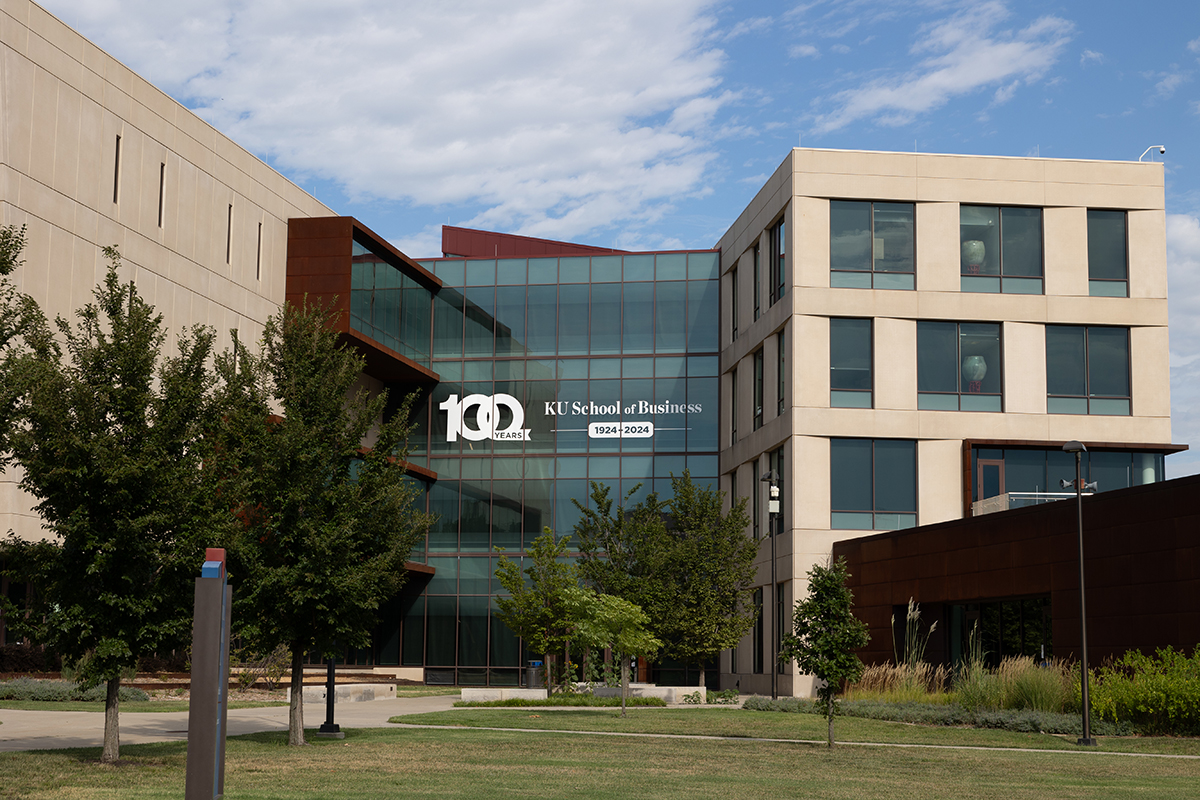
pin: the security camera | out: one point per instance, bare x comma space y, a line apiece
1162, 150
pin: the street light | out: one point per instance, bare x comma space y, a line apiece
772, 479
1077, 448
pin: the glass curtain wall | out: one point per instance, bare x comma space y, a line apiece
556, 372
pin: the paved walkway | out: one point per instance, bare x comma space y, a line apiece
47, 730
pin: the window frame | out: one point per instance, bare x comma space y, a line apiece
781, 369
968, 279
1107, 287
733, 407
927, 398
852, 398
853, 519
758, 388
777, 262
733, 304
1089, 399
757, 281
848, 277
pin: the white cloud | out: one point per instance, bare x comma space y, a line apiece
1169, 83
839, 48
1194, 45
1090, 55
803, 51
751, 25
1005, 93
558, 117
963, 53
1183, 274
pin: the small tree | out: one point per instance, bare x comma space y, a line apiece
608, 621
326, 524
544, 611
689, 566
826, 633
111, 444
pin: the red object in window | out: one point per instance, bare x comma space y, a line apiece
975, 387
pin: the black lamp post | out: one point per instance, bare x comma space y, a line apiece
330, 729
1077, 448
771, 478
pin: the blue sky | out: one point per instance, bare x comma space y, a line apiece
651, 123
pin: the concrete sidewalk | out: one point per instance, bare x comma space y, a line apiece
52, 730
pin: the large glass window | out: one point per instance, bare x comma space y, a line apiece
1087, 370
1108, 255
781, 369
959, 366
850, 363
733, 304
757, 282
733, 406
1001, 249
871, 245
777, 279
873, 484
758, 390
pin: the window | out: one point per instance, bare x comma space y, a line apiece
959, 366
758, 631
775, 463
733, 303
1087, 370
756, 487
871, 245
850, 363
1108, 255
782, 370
162, 191
757, 282
781, 626
873, 484
258, 255
758, 390
117, 171
777, 276
229, 235
1001, 249
733, 407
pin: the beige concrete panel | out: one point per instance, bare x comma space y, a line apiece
854, 162
1147, 254
1064, 233
1134, 430
40, 200
939, 480
980, 425
858, 302
184, 218
810, 254
46, 53
937, 247
1149, 356
1104, 196
895, 367
45, 115
31, 279
1106, 310
1012, 193
998, 169
866, 422
810, 381
132, 195
14, 20
19, 114
93, 169
87, 223
116, 101
980, 306
1024, 367
860, 187
810, 482
1096, 173
51, 28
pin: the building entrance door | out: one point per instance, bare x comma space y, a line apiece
990, 478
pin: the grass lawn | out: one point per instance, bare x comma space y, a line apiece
449, 763
773, 725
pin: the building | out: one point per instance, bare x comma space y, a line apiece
894, 336
906, 334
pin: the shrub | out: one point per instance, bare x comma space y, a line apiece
1027, 685
561, 700
27, 658
1157, 694
725, 698
58, 691
905, 683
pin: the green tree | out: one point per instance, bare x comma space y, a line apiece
326, 523
826, 633
544, 610
609, 621
110, 441
685, 563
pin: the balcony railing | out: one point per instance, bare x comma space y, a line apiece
1003, 502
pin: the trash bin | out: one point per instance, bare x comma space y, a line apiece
533, 675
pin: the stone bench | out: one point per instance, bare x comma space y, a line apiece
349, 692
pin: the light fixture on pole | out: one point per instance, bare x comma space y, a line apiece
1077, 448
772, 479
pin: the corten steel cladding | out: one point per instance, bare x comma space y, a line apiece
207, 709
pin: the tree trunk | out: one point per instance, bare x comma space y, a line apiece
624, 683
112, 724
829, 715
546, 671
702, 673
296, 708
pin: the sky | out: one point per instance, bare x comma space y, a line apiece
650, 124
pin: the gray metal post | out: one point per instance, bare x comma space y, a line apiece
208, 706
1078, 449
